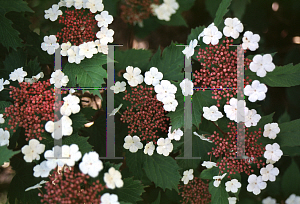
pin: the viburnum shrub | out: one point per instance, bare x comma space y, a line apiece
149, 144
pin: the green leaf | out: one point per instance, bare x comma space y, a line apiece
111, 6
33, 68
6, 154
218, 194
185, 5
195, 32
88, 74
131, 191
282, 76
88, 112
170, 63
212, 6
222, 10
82, 142
78, 121
175, 20
291, 180
238, 7
14, 60
135, 162
163, 171
15, 5
157, 201
285, 117
289, 134
209, 173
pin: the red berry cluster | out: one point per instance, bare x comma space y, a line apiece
146, 114
33, 103
195, 192
226, 149
219, 70
69, 187
79, 25
136, 10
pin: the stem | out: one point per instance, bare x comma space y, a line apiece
219, 129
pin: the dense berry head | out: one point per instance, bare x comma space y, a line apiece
79, 25
227, 149
146, 115
33, 104
219, 70
195, 192
69, 187
133, 11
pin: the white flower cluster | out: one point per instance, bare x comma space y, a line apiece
4, 137
86, 49
212, 113
187, 176
166, 94
293, 199
165, 10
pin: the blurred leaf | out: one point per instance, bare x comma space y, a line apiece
185, 5
157, 201
238, 8
6, 154
291, 180
176, 20
111, 6
163, 171
212, 6
285, 117
222, 10
289, 133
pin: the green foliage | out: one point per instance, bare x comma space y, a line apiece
185, 5
32, 68
6, 154
195, 32
218, 194
289, 134
111, 6
291, 180
209, 173
89, 73
238, 8
212, 6
14, 60
163, 171
78, 121
175, 20
82, 143
135, 162
8, 35
282, 76
222, 10
157, 201
170, 63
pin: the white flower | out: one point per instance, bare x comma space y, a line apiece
189, 50
257, 91
36, 186
41, 170
113, 178
17, 74
91, 164
4, 137
50, 44
250, 41
187, 87
101, 48
107, 198
164, 146
232, 185
104, 19
231, 110
132, 143
105, 35
65, 129
64, 48
232, 200
270, 161
62, 3
269, 200
34, 78
116, 110
218, 179
170, 103
118, 87
153, 76
95, 5
53, 12
252, 118
1, 119
211, 35
162, 12
59, 156
71, 105
233, 27
269, 173
59, 79
271, 130
2, 83
173, 5
149, 148
202, 137
165, 90
74, 56
78, 4
212, 113
33, 150
273, 152
88, 49
187, 176
293, 199
262, 64
255, 184
133, 76
209, 164
176, 134
69, 3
